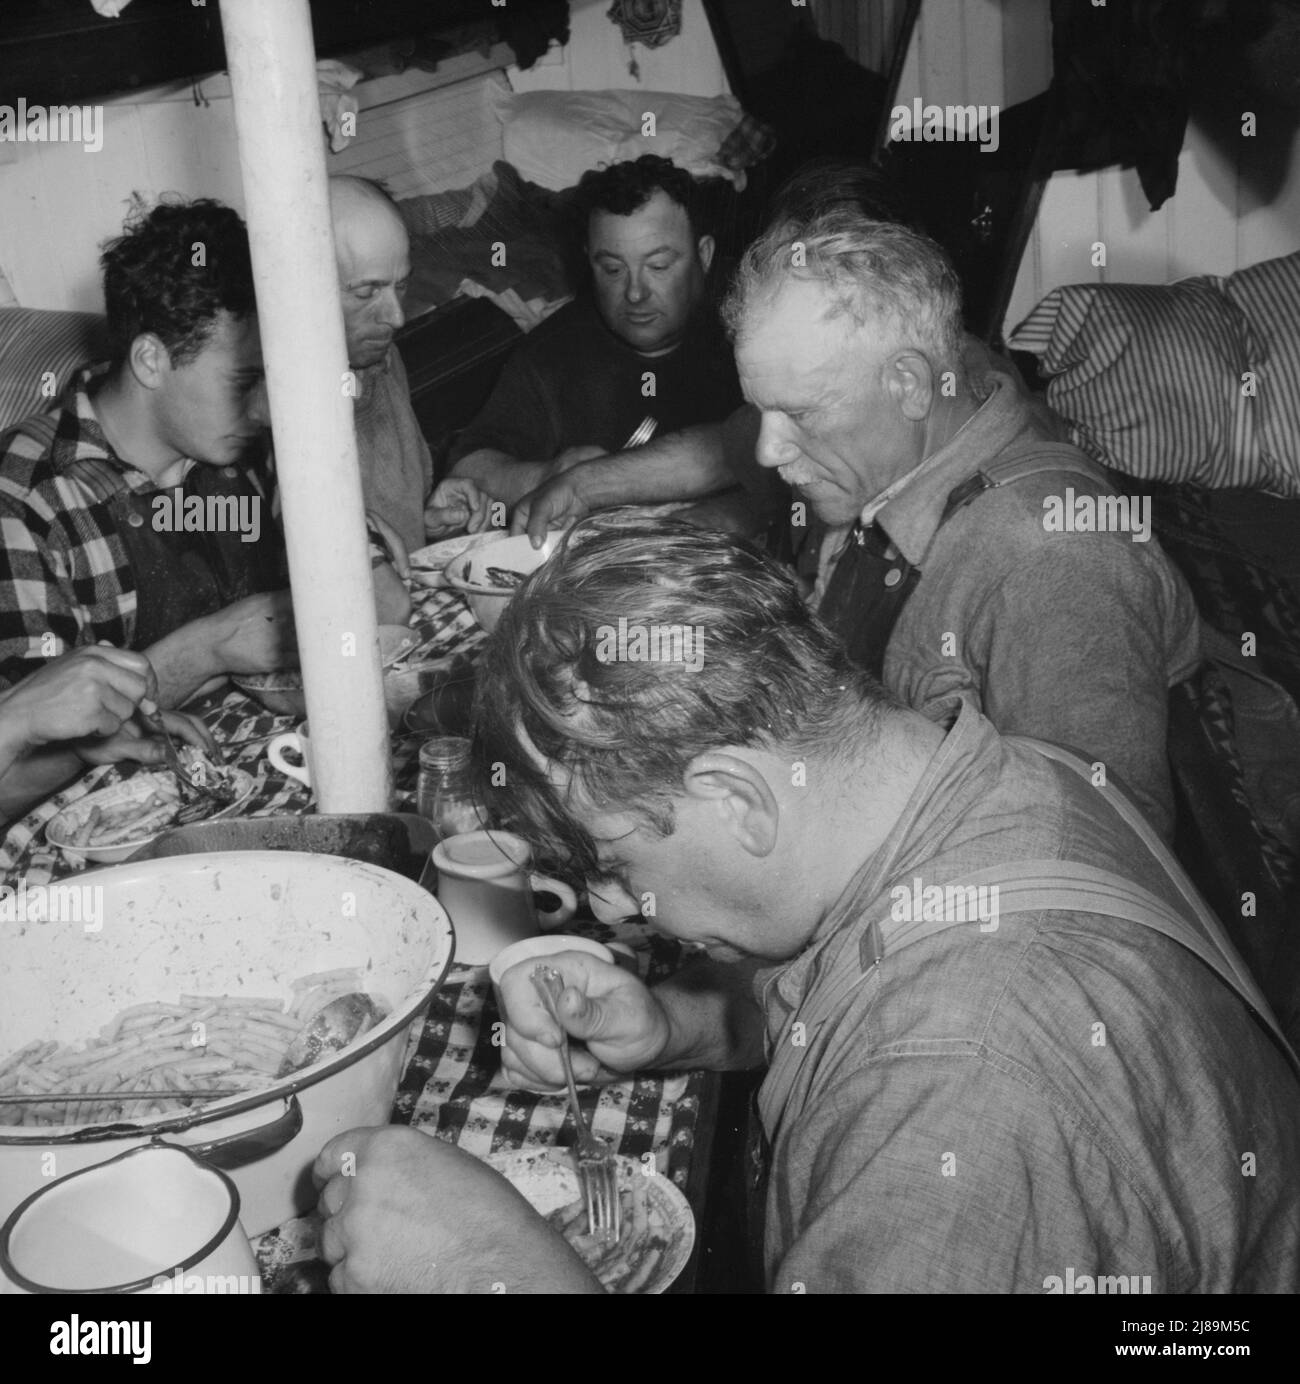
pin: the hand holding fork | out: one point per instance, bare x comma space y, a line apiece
597, 1164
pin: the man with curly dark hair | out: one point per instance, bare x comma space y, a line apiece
135, 513
644, 343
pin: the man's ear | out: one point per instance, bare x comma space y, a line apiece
148, 360
741, 795
910, 379
706, 246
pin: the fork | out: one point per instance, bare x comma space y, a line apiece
642, 434
155, 723
597, 1165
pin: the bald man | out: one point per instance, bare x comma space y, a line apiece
374, 261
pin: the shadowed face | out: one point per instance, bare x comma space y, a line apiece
649, 273
374, 263
695, 885
213, 408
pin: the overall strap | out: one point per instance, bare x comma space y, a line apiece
1036, 886
1198, 926
1050, 457
872, 581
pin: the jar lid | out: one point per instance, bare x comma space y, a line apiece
445, 752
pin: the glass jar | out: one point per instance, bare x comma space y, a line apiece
445, 791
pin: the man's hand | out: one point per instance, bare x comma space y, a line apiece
392, 598
624, 1026
575, 456
91, 691
559, 501
132, 743
557, 504
392, 540
456, 504
255, 635
83, 703
407, 1213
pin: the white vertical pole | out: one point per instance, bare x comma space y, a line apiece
272, 61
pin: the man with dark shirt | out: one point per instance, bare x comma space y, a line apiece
645, 345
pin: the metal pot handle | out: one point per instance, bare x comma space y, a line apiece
237, 1150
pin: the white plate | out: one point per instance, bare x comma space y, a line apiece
548, 1180
468, 573
62, 829
427, 563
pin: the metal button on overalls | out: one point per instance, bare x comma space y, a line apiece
865, 595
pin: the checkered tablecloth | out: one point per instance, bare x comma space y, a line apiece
243, 728
452, 1089
451, 1085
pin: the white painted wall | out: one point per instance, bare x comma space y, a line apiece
420, 132
978, 52
1212, 225
998, 52
597, 59
59, 203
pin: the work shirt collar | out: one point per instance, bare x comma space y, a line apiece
913, 507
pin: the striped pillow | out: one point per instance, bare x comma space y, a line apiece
1150, 379
34, 342
1268, 296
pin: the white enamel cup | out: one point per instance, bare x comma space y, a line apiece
486, 887
152, 1220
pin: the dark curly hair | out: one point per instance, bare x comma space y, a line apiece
152, 282
623, 188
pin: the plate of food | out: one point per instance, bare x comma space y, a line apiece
428, 564
658, 1227
489, 579
108, 825
283, 693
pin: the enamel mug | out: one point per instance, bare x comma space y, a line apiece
486, 887
152, 1220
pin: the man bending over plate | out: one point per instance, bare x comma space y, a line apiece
964, 1096
937, 478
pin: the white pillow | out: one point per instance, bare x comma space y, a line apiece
554, 137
